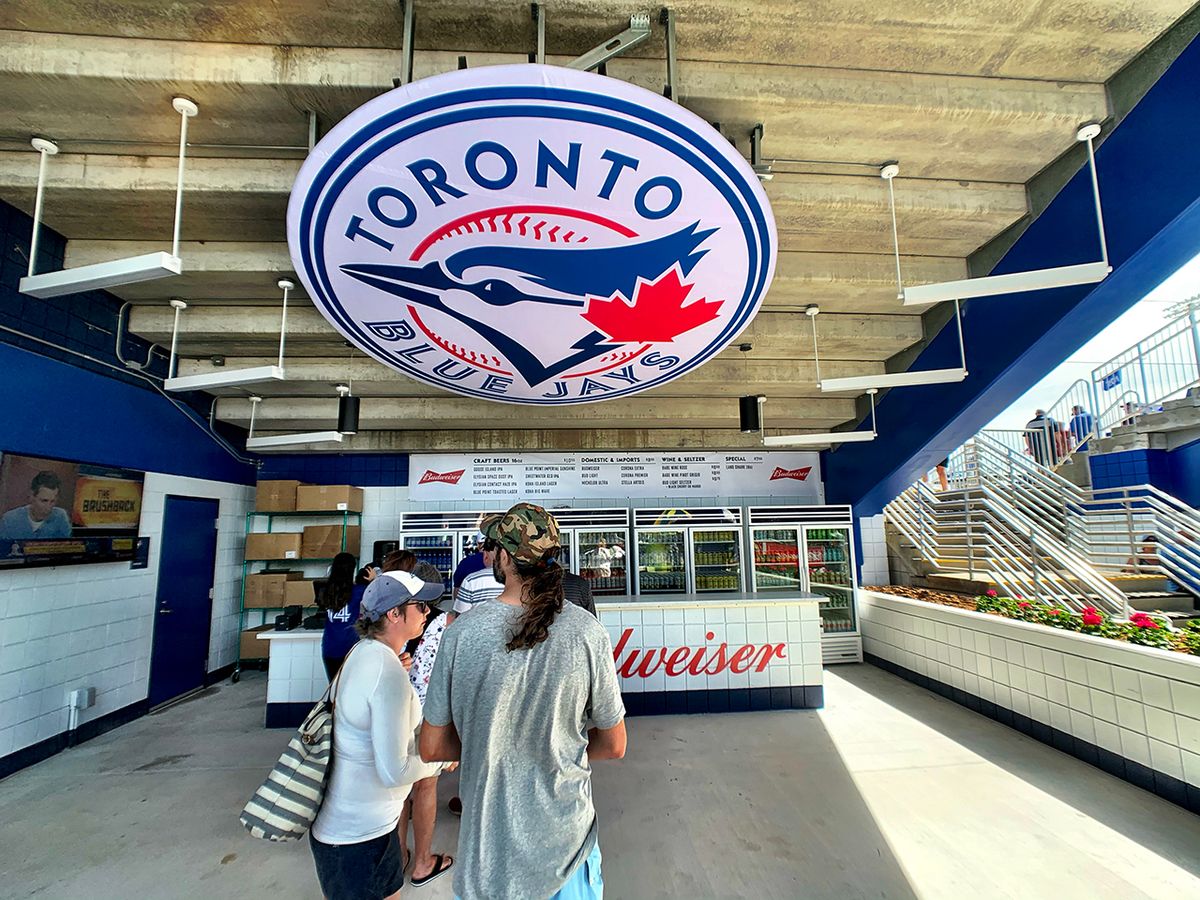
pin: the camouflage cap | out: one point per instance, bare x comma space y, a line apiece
527, 532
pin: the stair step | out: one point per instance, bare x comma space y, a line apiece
1156, 601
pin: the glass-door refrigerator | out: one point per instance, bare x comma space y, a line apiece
442, 538
810, 548
716, 559
595, 545
829, 558
692, 550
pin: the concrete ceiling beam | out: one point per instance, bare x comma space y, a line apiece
99, 196
939, 126
721, 377
209, 330
1022, 38
227, 272
426, 413
470, 440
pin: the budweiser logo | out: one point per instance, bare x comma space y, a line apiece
707, 660
795, 474
444, 477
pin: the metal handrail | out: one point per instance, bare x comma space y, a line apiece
1037, 533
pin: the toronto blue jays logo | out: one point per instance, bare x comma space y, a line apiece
530, 234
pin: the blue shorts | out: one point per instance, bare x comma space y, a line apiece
587, 883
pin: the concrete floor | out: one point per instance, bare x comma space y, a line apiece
891, 792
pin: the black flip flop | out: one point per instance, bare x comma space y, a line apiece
438, 870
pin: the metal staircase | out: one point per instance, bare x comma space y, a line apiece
1018, 525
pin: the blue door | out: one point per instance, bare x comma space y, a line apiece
187, 560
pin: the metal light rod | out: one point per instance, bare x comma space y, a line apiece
130, 270
860, 383
293, 440
1013, 283
817, 440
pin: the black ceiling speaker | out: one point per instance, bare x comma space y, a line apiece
347, 411
750, 413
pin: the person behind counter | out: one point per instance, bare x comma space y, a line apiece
354, 841
340, 598
534, 675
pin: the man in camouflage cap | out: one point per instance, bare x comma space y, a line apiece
525, 694
527, 532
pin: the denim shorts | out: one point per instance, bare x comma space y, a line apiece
369, 870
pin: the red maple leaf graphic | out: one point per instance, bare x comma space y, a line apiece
656, 314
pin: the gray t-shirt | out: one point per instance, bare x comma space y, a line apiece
523, 717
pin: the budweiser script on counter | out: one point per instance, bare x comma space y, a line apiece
642, 662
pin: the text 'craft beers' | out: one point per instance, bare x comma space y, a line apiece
532, 234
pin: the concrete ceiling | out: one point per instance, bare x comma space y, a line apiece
974, 100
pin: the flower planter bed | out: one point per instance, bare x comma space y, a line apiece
1142, 628
1131, 710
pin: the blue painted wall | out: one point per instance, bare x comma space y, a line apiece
1184, 464
360, 469
1176, 471
1149, 170
58, 403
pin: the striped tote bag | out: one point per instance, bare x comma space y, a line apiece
286, 804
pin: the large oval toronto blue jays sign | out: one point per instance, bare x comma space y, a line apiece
532, 234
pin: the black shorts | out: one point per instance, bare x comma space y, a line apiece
370, 870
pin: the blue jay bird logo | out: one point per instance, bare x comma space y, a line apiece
562, 276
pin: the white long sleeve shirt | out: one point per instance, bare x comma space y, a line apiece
375, 759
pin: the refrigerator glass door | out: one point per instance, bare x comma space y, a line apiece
777, 560
831, 573
717, 560
602, 561
662, 562
437, 549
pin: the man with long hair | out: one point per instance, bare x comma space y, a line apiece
532, 676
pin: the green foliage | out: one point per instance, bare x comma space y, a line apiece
1142, 628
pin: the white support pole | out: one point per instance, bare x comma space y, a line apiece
254, 401
812, 311
285, 285
888, 173
1087, 134
179, 307
44, 148
186, 109
962, 347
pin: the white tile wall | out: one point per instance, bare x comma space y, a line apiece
874, 550
1141, 703
296, 673
69, 627
797, 627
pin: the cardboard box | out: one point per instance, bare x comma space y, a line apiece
332, 497
325, 541
300, 593
281, 545
252, 647
276, 496
266, 590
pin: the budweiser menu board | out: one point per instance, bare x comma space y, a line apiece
501, 478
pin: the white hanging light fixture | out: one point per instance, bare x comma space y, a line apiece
229, 377
130, 270
829, 437
286, 440
1036, 280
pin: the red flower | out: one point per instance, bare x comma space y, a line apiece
1091, 617
990, 592
1142, 620
1053, 612
1024, 604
